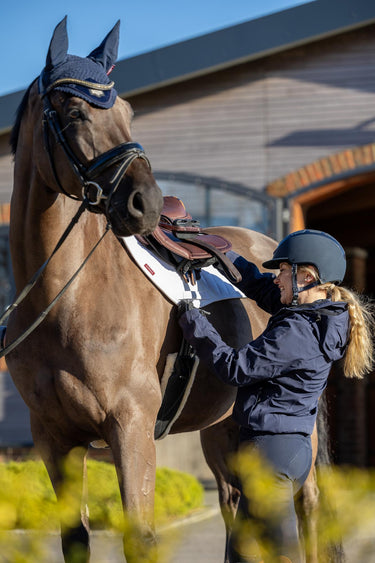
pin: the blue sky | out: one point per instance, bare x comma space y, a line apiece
26, 27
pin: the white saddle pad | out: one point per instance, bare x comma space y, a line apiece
211, 287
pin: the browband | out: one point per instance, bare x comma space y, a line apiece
85, 83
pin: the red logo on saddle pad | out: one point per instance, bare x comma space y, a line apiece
148, 268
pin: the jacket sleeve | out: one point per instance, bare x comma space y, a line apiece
258, 286
274, 352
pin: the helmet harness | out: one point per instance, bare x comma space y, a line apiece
297, 290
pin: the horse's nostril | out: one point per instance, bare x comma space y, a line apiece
135, 205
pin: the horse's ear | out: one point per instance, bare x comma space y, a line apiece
106, 53
58, 47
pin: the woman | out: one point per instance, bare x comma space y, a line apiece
281, 375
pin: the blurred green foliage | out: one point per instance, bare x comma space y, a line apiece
344, 512
28, 503
27, 499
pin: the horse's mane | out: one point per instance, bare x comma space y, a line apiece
17, 124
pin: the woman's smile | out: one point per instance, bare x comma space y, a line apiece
284, 283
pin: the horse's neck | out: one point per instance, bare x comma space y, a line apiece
39, 218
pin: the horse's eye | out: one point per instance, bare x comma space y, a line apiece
76, 113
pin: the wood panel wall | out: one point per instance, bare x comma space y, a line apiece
260, 120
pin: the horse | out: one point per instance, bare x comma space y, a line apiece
91, 369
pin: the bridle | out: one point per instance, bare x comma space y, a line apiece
123, 154
92, 195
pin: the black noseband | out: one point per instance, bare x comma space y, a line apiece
103, 161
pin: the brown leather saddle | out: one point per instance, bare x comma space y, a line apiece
179, 240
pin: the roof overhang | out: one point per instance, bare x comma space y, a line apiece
245, 42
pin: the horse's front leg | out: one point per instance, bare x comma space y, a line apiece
67, 472
132, 442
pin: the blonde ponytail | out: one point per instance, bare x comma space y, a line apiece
359, 356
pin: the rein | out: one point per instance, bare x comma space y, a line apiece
37, 275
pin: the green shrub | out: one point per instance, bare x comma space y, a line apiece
176, 494
27, 488
27, 499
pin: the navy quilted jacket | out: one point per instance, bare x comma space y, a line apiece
281, 374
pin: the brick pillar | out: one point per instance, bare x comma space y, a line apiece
351, 422
355, 277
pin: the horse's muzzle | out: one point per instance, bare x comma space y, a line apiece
139, 213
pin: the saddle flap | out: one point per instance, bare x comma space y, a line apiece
189, 249
179, 240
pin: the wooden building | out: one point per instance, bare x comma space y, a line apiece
269, 124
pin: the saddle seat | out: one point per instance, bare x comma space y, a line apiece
179, 240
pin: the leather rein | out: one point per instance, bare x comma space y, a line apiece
9, 347
92, 196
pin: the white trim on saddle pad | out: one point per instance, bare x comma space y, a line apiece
211, 287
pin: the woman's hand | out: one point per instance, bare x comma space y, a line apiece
183, 306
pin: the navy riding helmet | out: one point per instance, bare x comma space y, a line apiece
311, 247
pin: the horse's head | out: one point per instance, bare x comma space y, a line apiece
88, 152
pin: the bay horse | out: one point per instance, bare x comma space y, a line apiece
91, 369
